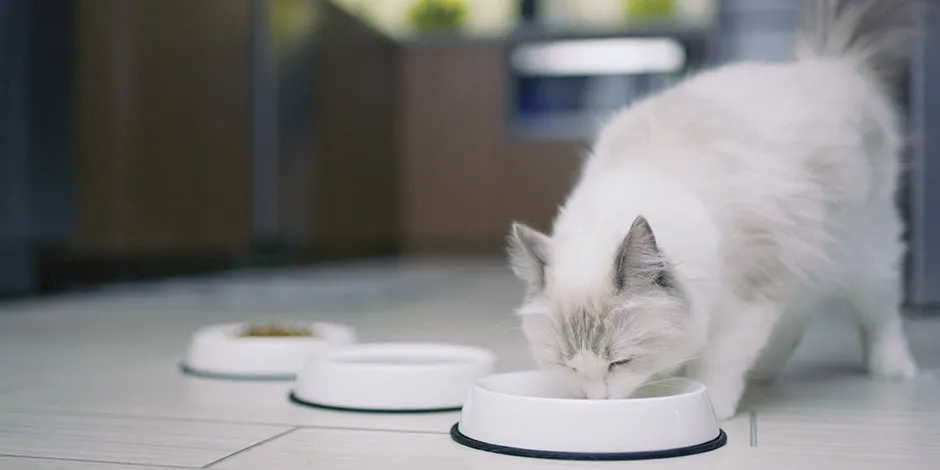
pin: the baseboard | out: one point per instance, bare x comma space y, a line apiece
57, 270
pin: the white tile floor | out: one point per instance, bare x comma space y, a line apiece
90, 381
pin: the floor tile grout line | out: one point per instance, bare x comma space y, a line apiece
753, 427
229, 456
253, 446
398, 431
136, 416
145, 417
106, 462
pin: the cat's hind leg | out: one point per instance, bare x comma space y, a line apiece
874, 295
877, 307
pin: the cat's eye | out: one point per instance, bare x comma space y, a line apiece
619, 363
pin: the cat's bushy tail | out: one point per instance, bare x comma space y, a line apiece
875, 34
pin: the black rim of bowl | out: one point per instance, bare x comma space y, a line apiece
237, 377
716, 443
299, 401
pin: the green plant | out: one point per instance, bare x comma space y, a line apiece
645, 10
434, 15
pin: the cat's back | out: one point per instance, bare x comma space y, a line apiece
804, 103
760, 123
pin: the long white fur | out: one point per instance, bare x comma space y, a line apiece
769, 188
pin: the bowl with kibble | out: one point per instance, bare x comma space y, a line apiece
263, 351
532, 414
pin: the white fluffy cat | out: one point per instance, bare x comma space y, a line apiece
711, 220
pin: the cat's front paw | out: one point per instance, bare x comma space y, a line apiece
725, 396
724, 411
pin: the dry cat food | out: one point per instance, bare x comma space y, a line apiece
272, 330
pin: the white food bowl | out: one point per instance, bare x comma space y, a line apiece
392, 377
529, 414
221, 351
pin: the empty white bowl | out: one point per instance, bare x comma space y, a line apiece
392, 377
529, 414
222, 351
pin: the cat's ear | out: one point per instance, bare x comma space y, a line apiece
639, 262
528, 254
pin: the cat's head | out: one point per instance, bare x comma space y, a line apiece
624, 332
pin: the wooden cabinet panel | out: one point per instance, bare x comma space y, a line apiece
163, 124
453, 172
355, 197
464, 177
543, 174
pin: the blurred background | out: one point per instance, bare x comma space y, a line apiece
145, 139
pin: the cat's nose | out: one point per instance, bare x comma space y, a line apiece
594, 390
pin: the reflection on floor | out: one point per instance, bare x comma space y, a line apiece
90, 381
